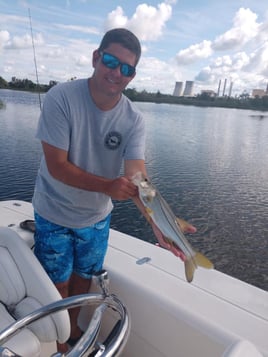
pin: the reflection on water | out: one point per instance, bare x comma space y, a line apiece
19, 150
208, 163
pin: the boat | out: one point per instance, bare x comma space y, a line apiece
163, 315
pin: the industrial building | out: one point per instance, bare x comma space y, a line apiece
260, 92
178, 89
188, 89
224, 88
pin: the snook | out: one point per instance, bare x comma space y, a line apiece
167, 223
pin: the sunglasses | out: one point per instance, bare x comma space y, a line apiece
113, 62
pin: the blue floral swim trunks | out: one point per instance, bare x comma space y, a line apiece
63, 251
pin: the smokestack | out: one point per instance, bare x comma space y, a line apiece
230, 89
224, 87
219, 88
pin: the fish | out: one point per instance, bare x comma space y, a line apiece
166, 221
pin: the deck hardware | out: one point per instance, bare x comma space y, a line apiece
143, 260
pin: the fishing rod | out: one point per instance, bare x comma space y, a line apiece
35, 62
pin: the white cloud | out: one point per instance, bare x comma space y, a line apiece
240, 60
205, 75
147, 22
259, 61
53, 52
25, 41
194, 53
224, 61
4, 38
245, 28
154, 74
116, 18
83, 61
83, 29
246, 54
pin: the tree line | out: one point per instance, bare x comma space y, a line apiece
243, 101
25, 84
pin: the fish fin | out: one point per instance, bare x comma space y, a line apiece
192, 263
149, 211
202, 261
190, 267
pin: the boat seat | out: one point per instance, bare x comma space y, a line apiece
25, 287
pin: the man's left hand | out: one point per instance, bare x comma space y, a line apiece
185, 227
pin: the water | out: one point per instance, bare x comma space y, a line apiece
210, 164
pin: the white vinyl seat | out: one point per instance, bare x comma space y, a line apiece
25, 287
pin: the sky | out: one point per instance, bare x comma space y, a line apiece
203, 41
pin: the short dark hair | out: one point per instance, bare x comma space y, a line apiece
125, 38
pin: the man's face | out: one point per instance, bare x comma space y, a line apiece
110, 80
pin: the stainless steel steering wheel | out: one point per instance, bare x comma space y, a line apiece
87, 344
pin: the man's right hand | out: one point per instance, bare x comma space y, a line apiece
120, 189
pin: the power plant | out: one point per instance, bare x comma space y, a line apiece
188, 89
260, 92
178, 89
224, 88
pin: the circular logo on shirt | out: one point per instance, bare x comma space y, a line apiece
113, 140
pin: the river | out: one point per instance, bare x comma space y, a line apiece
210, 164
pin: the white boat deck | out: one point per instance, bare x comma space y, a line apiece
171, 317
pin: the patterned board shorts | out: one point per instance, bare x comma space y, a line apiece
63, 251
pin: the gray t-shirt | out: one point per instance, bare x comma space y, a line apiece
97, 141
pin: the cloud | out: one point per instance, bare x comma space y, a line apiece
263, 32
224, 61
147, 22
53, 52
4, 38
224, 66
241, 68
240, 60
83, 29
116, 18
194, 53
83, 61
258, 61
154, 75
206, 75
245, 28
245, 59
25, 41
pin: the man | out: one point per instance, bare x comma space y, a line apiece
87, 128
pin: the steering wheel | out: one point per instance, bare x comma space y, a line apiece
87, 344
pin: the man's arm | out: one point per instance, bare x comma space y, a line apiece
63, 170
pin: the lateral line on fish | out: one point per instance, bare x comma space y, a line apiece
165, 205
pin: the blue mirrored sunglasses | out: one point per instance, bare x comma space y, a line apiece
113, 62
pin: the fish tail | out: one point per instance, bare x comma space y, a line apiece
193, 262
190, 267
202, 261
